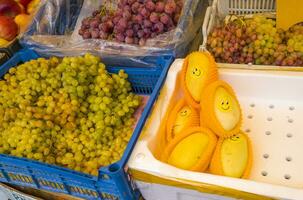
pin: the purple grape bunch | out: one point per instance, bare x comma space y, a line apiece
133, 22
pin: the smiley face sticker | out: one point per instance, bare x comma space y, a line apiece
181, 117
220, 109
199, 69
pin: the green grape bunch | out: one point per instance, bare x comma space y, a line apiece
70, 112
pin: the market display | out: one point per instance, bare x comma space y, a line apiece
69, 112
133, 22
256, 40
192, 148
14, 18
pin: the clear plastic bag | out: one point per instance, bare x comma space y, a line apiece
55, 31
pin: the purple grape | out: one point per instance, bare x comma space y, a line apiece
129, 40
86, 34
103, 35
140, 33
110, 24
147, 23
150, 5
127, 8
159, 7
81, 31
103, 27
95, 13
127, 15
138, 19
136, 27
142, 42
170, 7
86, 22
129, 32
94, 23
158, 27
95, 33
116, 19
145, 13
154, 17
130, 24
135, 7
130, 2
147, 32
120, 37
84, 26
119, 12
122, 23
165, 19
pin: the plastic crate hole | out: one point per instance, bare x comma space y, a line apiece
267, 133
290, 120
291, 108
264, 173
114, 167
289, 135
287, 176
20, 178
50, 184
269, 119
252, 105
265, 156
108, 196
271, 106
104, 177
288, 159
250, 116
247, 130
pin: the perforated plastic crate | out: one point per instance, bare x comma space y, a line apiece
272, 109
113, 182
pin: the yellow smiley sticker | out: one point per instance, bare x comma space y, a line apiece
198, 70
226, 109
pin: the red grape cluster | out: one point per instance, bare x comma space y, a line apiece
134, 21
257, 41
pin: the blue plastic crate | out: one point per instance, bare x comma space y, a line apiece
112, 181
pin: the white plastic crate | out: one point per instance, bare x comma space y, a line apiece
221, 8
272, 105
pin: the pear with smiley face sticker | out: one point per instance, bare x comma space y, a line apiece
220, 109
181, 117
232, 157
199, 69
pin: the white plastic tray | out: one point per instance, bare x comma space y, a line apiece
272, 104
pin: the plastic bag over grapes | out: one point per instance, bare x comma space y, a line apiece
128, 28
